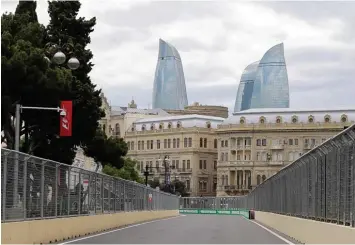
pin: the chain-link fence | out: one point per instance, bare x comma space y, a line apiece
320, 185
36, 188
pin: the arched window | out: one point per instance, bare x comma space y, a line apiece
327, 118
152, 127
344, 118
242, 120
294, 119
169, 126
178, 125
278, 120
117, 129
262, 120
310, 119
264, 178
160, 126
143, 127
208, 125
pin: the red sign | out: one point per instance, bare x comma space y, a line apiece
66, 119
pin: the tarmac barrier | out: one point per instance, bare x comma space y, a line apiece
243, 212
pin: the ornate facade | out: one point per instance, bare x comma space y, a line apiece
255, 144
190, 143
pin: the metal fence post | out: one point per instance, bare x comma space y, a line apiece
79, 193
69, 180
56, 191
25, 188
42, 189
4, 193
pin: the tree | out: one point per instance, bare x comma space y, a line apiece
107, 150
128, 171
176, 187
26, 77
65, 27
154, 183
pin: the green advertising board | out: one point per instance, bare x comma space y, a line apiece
243, 212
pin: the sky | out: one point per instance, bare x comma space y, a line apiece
216, 41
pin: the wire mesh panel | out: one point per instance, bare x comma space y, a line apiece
36, 188
320, 185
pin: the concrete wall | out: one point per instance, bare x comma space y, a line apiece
308, 231
54, 230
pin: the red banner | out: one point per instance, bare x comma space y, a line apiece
66, 119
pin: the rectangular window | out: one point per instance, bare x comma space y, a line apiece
215, 165
226, 143
139, 145
201, 142
132, 145
264, 142
173, 164
200, 164
128, 145
290, 141
296, 141
165, 143
258, 142
188, 185
158, 144
190, 142
183, 164
185, 142
148, 144
169, 143
188, 164
142, 144
222, 143
177, 164
205, 143
174, 143
215, 143
238, 157
204, 164
178, 143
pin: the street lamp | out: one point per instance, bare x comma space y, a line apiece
57, 52
166, 164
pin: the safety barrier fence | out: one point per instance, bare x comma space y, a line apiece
320, 185
36, 188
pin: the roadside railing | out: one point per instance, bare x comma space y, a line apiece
36, 188
320, 185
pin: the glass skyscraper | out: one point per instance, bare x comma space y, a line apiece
169, 90
245, 89
270, 88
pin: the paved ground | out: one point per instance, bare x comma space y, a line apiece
190, 229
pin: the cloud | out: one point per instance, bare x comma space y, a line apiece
216, 41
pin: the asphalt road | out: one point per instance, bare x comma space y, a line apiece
190, 229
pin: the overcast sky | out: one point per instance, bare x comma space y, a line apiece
216, 41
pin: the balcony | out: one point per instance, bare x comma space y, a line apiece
236, 189
277, 147
276, 163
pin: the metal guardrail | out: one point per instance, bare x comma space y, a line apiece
320, 185
36, 188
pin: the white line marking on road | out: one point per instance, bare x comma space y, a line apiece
119, 229
275, 234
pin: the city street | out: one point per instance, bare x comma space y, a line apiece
190, 229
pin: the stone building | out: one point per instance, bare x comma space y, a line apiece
255, 144
189, 141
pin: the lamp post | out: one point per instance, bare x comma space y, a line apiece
60, 53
